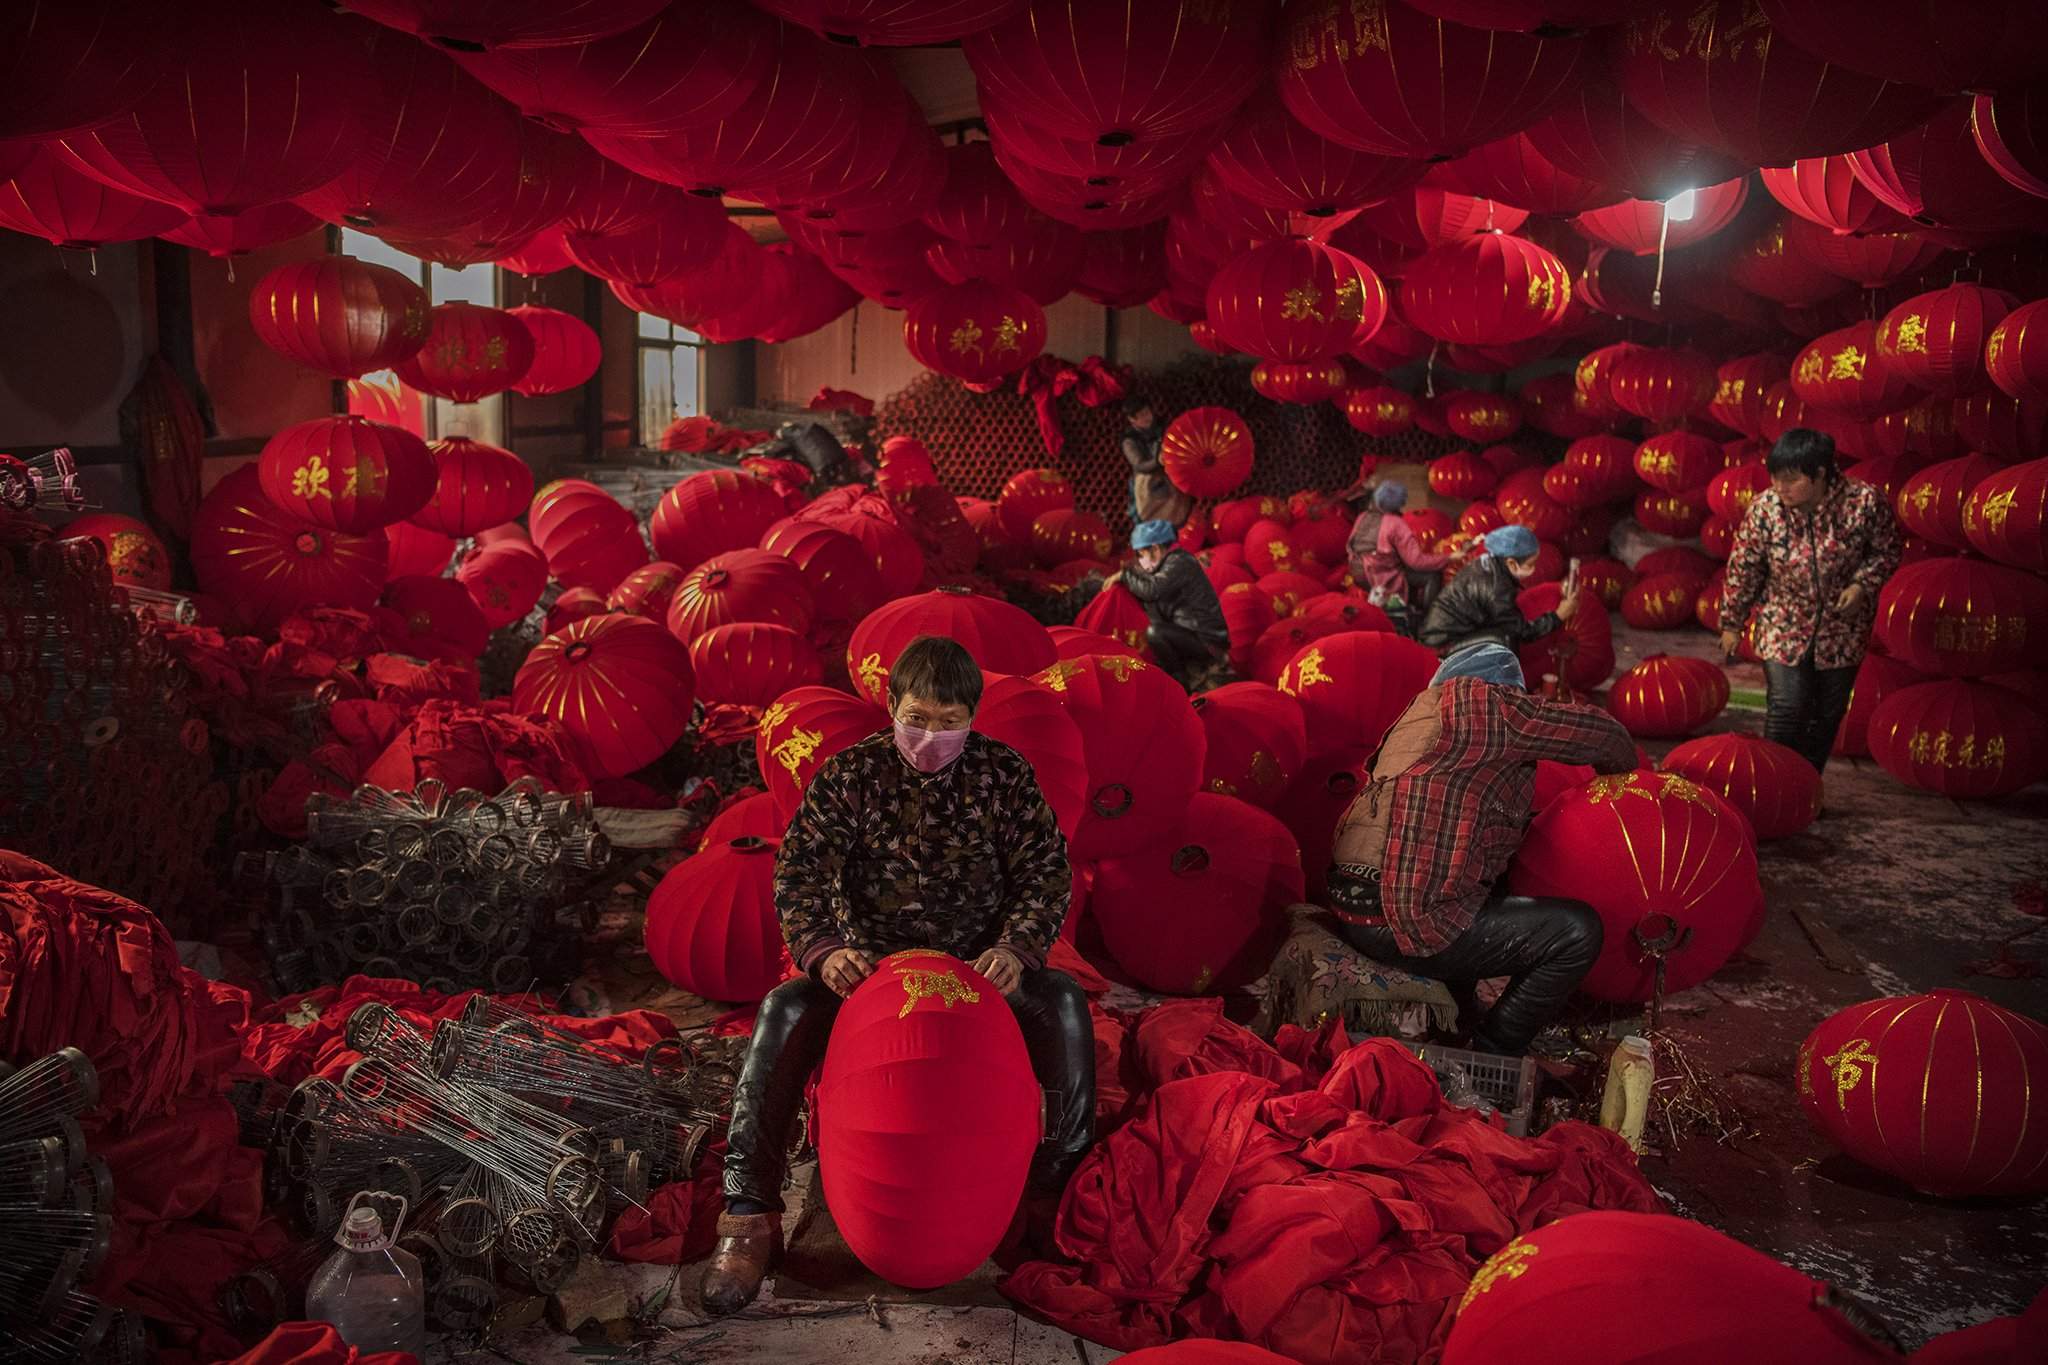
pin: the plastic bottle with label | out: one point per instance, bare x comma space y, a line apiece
371, 1290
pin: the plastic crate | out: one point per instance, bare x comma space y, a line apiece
1507, 1083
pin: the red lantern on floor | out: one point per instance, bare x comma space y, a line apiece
1207, 452
926, 1104
1018, 712
267, 565
1295, 300
572, 606
1662, 385
1379, 410
1580, 652
1774, 788
1068, 533
1739, 390
1966, 740
647, 591
2016, 352
505, 581
621, 685
751, 663
739, 585
340, 316
1248, 613
1486, 290
2003, 516
1960, 617
1353, 687
1607, 579
1876, 678
1523, 501
1118, 615
1270, 548
1688, 864
1144, 747
1462, 476
977, 331
566, 352
1717, 538
1001, 637
1677, 461
1644, 227
136, 555
1678, 515
837, 571
470, 353
1026, 495
1940, 1090
346, 473
1660, 601
1668, 695
711, 923
800, 731
1482, 418
1203, 909
589, 538
477, 486
1935, 342
709, 513
1306, 383
439, 619
1256, 742
873, 520
414, 549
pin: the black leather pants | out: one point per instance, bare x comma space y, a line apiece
1180, 651
1543, 945
1805, 705
790, 1033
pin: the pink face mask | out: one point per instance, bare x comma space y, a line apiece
929, 750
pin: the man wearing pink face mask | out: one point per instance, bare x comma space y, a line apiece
929, 836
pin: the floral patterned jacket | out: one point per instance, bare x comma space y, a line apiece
1792, 566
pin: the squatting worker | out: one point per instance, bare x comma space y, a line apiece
1479, 604
1810, 558
1418, 852
929, 836
1387, 558
1187, 631
1153, 496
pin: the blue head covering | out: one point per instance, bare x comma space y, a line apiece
1511, 542
1149, 533
1486, 661
1390, 497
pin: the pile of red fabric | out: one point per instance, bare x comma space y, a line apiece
1317, 1198
829, 399
698, 435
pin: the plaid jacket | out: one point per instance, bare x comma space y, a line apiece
1460, 811
1792, 566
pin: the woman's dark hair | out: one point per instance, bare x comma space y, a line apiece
1135, 404
1803, 450
938, 667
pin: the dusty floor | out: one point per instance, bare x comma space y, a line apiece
1917, 887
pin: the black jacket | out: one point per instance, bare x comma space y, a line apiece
1480, 605
1179, 593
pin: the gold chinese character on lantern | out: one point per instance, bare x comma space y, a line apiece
1613, 787
1847, 1065
364, 479
1302, 303
1542, 291
453, 352
1846, 363
1919, 746
873, 677
1993, 755
1306, 673
800, 745
776, 713
1056, 677
1998, 507
1120, 666
1351, 300
1728, 392
309, 480
1810, 367
1911, 334
494, 352
966, 337
1994, 348
943, 986
1966, 752
1324, 36
1511, 1262
1009, 334
1921, 496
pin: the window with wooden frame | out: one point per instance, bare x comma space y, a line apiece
671, 366
483, 420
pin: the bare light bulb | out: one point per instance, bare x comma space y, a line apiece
1679, 207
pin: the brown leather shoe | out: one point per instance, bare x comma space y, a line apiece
749, 1245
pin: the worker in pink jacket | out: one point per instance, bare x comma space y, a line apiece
1387, 559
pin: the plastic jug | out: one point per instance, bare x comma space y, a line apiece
371, 1290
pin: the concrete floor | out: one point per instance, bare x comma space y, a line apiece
1916, 886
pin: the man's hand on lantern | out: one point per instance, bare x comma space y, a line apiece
1002, 968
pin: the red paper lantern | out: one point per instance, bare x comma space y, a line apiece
347, 474
1256, 740
1676, 461
2009, 128
713, 512
438, 618
1548, 401
621, 685
1001, 637
1462, 476
1116, 614
267, 565
1841, 372
1068, 533
1379, 411
2003, 516
1869, 259
1513, 171
1144, 747
1399, 82
1207, 452
241, 233
647, 591
1353, 687
1272, 160
340, 316
1429, 524
1687, 863
484, 25
1306, 383
711, 923
1204, 909
476, 486
1661, 385
566, 352
1825, 190
1772, 265
1296, 300
1966, 740
1204, 1351
414, 549
1934, 175
1961, 617
1660, 601
1678, 515
1486, 290
977, 331
1580, 652
575, 605
1607, 579
1270, 548
1482, 418
2000, 425
926, 1102
505, 580
837, 571
135, 554
1776, 790
1876, 678
1523, 501
1018, 712
1029, 493
46, 196
1668, 695
739, 585
1717, 537
800, 731
73, 65
590, 539
2016, 351
1642, 227
470, 353
1930, 503
1935, 342
1608, 461
1739, 390
1940, 1090
873, 521
1280, 642
751, 663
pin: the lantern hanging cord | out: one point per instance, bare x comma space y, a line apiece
1663, 235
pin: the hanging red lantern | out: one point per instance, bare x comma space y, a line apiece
1488, 290
751, 663
1595, 133
1018, 712
1694, 867
1661, 385
1607, 464
1296, 300
1256, 741
470, 353
1717, 540
589, 538
1934, 175
1770, 266
1574, 487
1523, 501
1931, 502
800, 731
1678, 515
926, 1102
1379, 410
621, 685
2015, 357
1482, 418
1645, 227
1204, 909
1826, 191
476, 486
979, 205
411, 549
739, 585
1870, 260
1306, 383
977, 331
72, 65
1144, 748
46, 196
1668, 695
1001, 637
1402, 83
2001, 425
1352, 687
2008, 125
647, 591
1960, 617
1461, 476
1966, 740
2003, 516
340, 316
1123, 268
267, 565
1547, 399
1730, 492
486, 25
1513, 171
1677, 461
505, 580
241, 233
1205, 337
1272, 160
1974, 1124
347, 474
1207, 452
1662, 601
1936, 341
711, 923
254, 104
1776, 790
566, 352
712, 512
1739, 390
837, 571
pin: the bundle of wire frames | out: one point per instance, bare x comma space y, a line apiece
55, 1222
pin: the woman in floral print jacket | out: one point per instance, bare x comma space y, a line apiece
1809, 558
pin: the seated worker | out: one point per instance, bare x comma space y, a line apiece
931, 836
1479, 604
1153, 496
1387, 559
1419, 849
1187, 632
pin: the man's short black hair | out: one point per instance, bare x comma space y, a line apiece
1803, 450
1135, 404
938, 667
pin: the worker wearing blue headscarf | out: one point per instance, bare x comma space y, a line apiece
1480, 602
1386, 557
1187, 632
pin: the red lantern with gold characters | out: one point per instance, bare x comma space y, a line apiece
1930, 502
2016, 352
1877, 677
1936, 341
1662, 385
1523, 501
711, 923
1462, 476
1353, 686
978, 331
1730, 492
1002, 637
1207, 452
1257, 741
1309, 382
1942, 1091
621, 685
1774, 788
1489, 289
1840, 372
1144, 748
1739, 388
347, 473
1678, 515
928, 1115
1962, 618
477, 486
136, 555
1379, 410
1296, 300
340, 316
266, 564
751, 663
2003, 516
471, 352
1668, 695
1965, 740
1661, 601
1482, 418
799, 731
1677, 461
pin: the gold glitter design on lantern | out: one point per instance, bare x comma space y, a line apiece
1806, 1069
873, 677
1056, 677
1846, 363
918, 952
1302, 304
800, 745
1306, 673
309, 480
1811, 366
966, 337
1009, 333
1323, 39
1511, 1262
1847, 1065
1910, 337
776, 713
1121, 665
945, 987
363, 477
1996, 508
